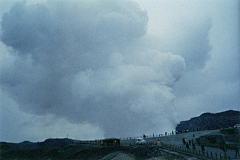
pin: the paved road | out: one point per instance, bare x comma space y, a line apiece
177, 141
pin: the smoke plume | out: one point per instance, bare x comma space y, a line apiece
86, 61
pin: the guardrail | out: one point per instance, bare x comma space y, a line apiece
189, 151
182, 149
198, 152
149, 136
83, 142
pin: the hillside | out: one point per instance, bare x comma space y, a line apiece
57, 149
208, 121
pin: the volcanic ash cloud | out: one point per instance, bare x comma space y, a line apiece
85, 61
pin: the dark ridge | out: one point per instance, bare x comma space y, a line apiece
209, 121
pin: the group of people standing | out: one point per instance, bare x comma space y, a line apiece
189, 143
222, 146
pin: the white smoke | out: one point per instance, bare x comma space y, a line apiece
85, 61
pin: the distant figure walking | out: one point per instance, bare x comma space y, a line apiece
198, 141
193, 146
187, 146
223, 146
237, 151
189, 141
202, 147
183, 140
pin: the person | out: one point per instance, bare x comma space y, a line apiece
158, 141
189, 141
237, 151
223, 146
183, 140
187, 146
198, 141
193, 146
202, 147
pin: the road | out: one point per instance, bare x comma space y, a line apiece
176, 140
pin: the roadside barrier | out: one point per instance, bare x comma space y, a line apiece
189, 151
198, 152
149, 136
83, 142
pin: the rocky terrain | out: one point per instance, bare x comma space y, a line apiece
208, 121
58, 151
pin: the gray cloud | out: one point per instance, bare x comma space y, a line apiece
190, 40
206, 35
83, 60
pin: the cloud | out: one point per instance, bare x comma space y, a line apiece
128, 90
17, 126
181, 28
214, 87
82, 61
206, 35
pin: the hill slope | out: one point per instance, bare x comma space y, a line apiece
211, 121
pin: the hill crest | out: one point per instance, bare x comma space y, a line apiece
210, 121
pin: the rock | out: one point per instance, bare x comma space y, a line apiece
209, 121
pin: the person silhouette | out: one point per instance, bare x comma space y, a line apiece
237, 151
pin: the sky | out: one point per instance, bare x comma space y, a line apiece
91, 69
